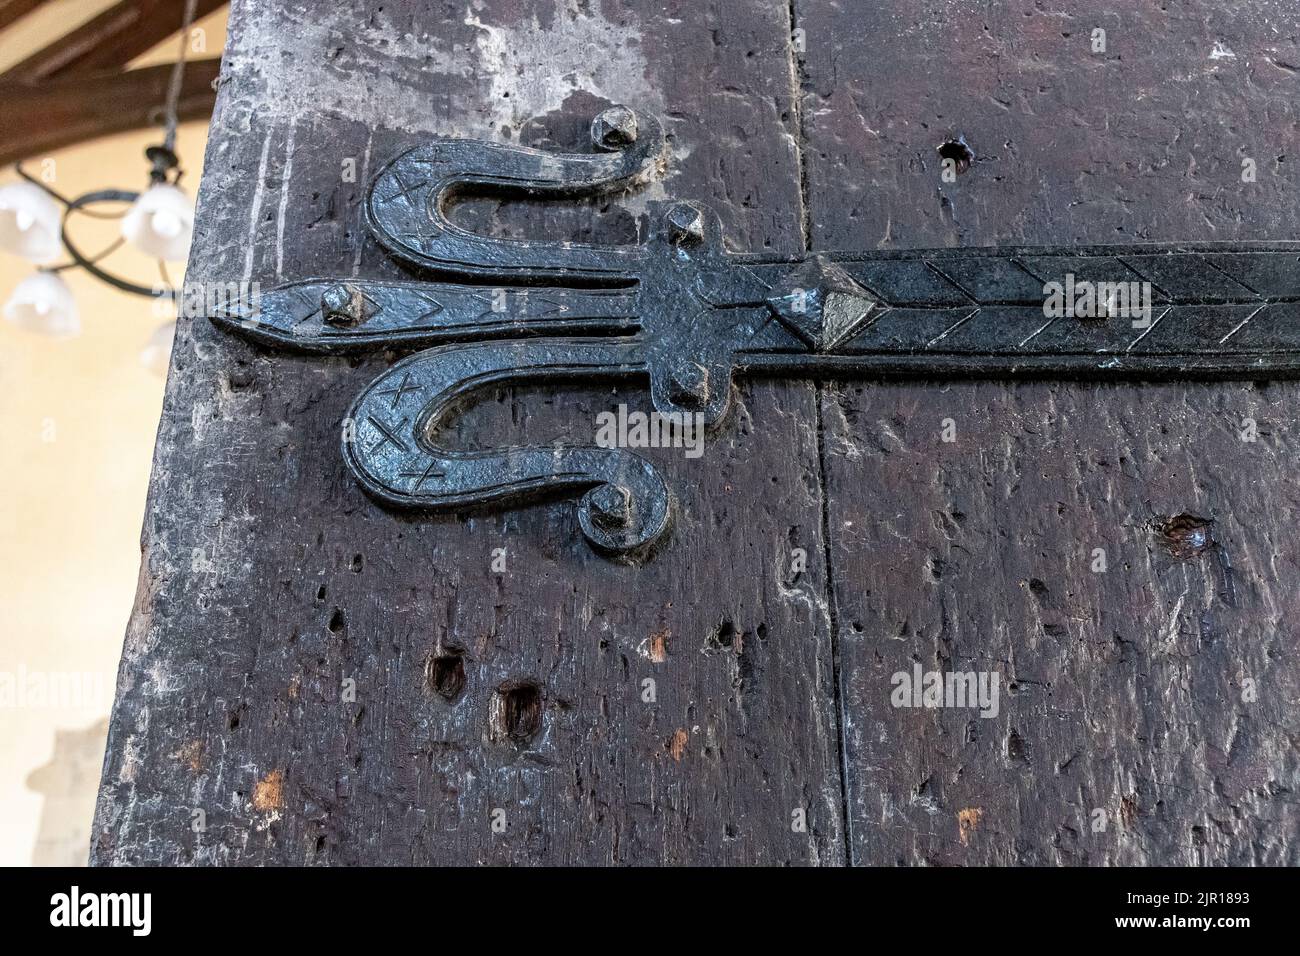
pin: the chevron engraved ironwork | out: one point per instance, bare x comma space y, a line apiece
685, 315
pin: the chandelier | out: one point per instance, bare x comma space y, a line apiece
37, 223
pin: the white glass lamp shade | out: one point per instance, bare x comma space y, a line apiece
157, 353
29, 222
43, 303
161, 223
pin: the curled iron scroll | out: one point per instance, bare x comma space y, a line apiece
395, 455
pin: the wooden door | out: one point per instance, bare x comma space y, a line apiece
308, 678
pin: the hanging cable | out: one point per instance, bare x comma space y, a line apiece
178, 73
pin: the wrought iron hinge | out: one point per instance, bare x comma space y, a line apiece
682, 313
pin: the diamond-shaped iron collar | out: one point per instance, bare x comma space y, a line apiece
822, 304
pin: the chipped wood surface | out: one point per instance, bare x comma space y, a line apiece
334, 684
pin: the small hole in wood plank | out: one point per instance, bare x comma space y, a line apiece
445, 672
959, 152
1016, 749
517, 711
239, 379
1185, 535
337, 621
724, 635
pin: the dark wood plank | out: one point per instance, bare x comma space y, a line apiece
109, 40
55, 113
1123, 692
269, 578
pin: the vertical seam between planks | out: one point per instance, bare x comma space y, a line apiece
797, 81
833, 618
799, 137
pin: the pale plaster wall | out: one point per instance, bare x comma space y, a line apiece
77, 420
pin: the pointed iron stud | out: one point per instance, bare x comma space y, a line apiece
685, 223
347, 306
615, 128
822, 304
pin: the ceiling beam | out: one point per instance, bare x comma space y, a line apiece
40, 117
109, 41
11, 10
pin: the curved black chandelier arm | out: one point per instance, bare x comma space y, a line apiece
41, 185
78, 259
90, 264
163, 162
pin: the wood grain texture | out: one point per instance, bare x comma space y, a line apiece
1123, 692
270, 580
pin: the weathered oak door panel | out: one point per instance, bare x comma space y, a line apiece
1128, 730
273, 590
